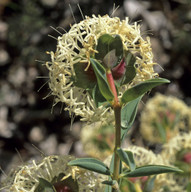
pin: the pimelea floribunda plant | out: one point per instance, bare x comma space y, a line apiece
101, 69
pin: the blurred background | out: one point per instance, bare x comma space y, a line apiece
29, 126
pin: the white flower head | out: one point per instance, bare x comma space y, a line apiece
145, 157
77, 46
178, 151
164, 112
55, 170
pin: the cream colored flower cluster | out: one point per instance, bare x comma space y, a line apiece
178, 143
170, 150
26, 179
144, 157
147, 157
164, 112
78, 45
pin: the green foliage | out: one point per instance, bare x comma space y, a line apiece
127, 158
148, 170
107, 43
183, 166
84, 79
149, 185
91, 164
57, 184
98, 98
111, 183
44, 186
130, 99
130, 68
108, 188
141, 88
128, 114
102, 80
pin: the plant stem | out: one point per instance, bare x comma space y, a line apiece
117, 111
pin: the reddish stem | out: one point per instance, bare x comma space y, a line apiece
117, 112
112, 87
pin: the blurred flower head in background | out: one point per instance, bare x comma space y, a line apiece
98, 139
163, 118
178, 151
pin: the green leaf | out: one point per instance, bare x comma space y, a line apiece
150, 170
149, 185
107, 43
44, 186
110, 59
102, 80
91, 164
110, 183
130, 68
141, 88
107, 187
84, 79
127, 158
98, 98
183, 166
128, 114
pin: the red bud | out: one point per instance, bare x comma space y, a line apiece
119, 70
